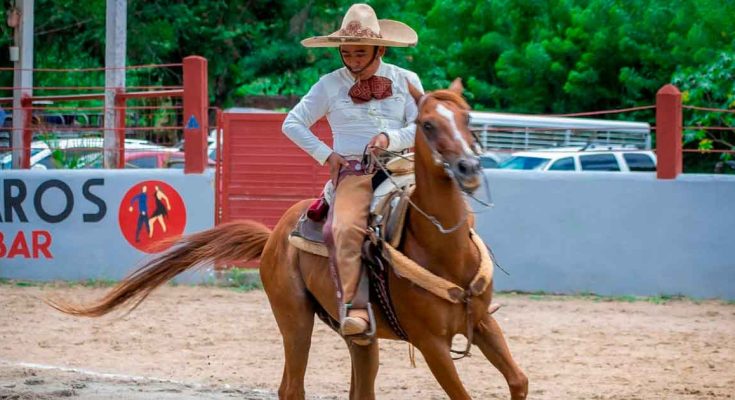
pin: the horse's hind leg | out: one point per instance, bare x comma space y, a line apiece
296, 322
294, 312
489, 338
364, 370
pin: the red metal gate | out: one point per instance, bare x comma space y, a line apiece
262, 172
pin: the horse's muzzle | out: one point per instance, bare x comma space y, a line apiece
467, 172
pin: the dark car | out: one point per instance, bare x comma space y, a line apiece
492, 159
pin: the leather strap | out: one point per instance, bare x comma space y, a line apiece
406, 268
362, 294
333, 271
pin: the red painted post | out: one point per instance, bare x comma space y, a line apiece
225, 168
668, 132
218, 170
120, 106
26, 103
196, 104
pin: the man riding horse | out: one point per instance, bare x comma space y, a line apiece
368, 105
440, 283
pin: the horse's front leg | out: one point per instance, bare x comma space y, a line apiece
438, 357
489, 338
365, 361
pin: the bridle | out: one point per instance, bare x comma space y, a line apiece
449, 168
369, 164
439, 226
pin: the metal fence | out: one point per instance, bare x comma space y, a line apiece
514, 132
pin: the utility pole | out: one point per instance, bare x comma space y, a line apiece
115, 45
21, 18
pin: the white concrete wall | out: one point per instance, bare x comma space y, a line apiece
612, 233
607, 233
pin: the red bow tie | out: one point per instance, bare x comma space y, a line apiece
377, 87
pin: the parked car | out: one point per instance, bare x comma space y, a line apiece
6, 158
586, 158
212, 151
177, 161
491, 159
151, 159
74, 153
211, 145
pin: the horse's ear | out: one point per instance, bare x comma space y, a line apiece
457, 86
415, 92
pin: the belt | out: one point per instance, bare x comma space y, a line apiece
355, 168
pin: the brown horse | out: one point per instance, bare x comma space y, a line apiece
298, 283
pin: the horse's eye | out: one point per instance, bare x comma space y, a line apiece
428, 127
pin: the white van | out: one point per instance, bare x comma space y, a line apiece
587, 158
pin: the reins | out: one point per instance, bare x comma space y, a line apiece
439, 226
405, 267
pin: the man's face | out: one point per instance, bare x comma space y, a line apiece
357, 58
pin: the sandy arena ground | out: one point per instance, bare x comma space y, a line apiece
217, 343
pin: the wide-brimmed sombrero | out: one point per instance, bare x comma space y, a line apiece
361, 26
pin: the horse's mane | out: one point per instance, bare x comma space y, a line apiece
449, 95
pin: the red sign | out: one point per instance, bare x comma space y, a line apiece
150, 213
35, 246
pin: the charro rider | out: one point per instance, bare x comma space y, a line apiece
368, 105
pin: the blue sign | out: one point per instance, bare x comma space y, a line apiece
192, 124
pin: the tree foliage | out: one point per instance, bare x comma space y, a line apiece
711, 84
532, 56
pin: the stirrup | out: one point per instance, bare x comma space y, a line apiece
365, 338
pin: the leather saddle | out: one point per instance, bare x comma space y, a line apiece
387, 216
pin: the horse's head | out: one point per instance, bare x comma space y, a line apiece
443, 120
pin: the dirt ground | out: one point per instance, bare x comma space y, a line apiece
218, 343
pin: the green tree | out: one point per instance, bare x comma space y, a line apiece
528, 56
710, 85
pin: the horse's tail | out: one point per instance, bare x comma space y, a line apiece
234, 241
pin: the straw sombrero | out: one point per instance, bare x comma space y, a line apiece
361, 26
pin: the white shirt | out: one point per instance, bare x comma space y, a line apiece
353, 125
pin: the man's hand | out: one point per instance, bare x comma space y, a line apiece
378, 142
335, 162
